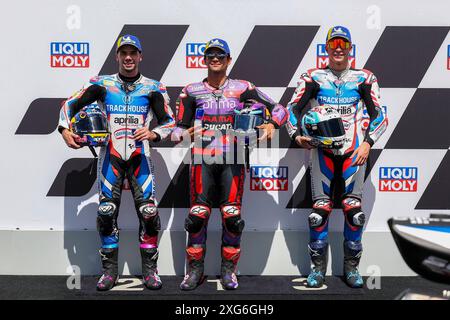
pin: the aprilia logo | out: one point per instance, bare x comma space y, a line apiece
129, 120
343, 110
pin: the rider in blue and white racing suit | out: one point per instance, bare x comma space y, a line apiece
130, 102
349, 91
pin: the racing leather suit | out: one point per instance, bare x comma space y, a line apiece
219, 106
129, 104
348, 92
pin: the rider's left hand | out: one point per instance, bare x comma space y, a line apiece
144, 133
362, 153
269, 131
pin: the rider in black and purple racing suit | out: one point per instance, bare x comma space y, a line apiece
214, 101
348, 91
130, 101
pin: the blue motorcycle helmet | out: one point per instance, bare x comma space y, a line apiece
91, 125
246, 120
251, 115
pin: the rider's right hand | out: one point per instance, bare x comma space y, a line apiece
69, 138
304, 142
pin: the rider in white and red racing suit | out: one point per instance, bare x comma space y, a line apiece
129, 104
348, 92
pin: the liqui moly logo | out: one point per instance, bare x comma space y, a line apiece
398, 179
322, 56
195, 55
69, 55
448, 57
269, 178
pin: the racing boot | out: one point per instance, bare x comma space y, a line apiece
194, 275
318, 250
110, 274
150, 276
352, 255
230, 258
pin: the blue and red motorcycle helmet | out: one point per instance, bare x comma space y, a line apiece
324, 126
91, 125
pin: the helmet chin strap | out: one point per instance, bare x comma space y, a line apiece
94, 153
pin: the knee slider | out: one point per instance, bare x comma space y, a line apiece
321, 211
352, 210
230, 211
148, 210
150, 216
196, 218
105, 217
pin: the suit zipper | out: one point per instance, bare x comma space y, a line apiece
126, 122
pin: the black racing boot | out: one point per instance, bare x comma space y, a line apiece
230, 258
110, 276
352, 256
150, 276
194, 275
318, 250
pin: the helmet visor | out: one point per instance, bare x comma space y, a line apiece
247, 121
331, 128
91, 124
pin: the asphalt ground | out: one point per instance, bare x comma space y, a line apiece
250, 288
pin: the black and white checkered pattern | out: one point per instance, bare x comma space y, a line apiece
270, 58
